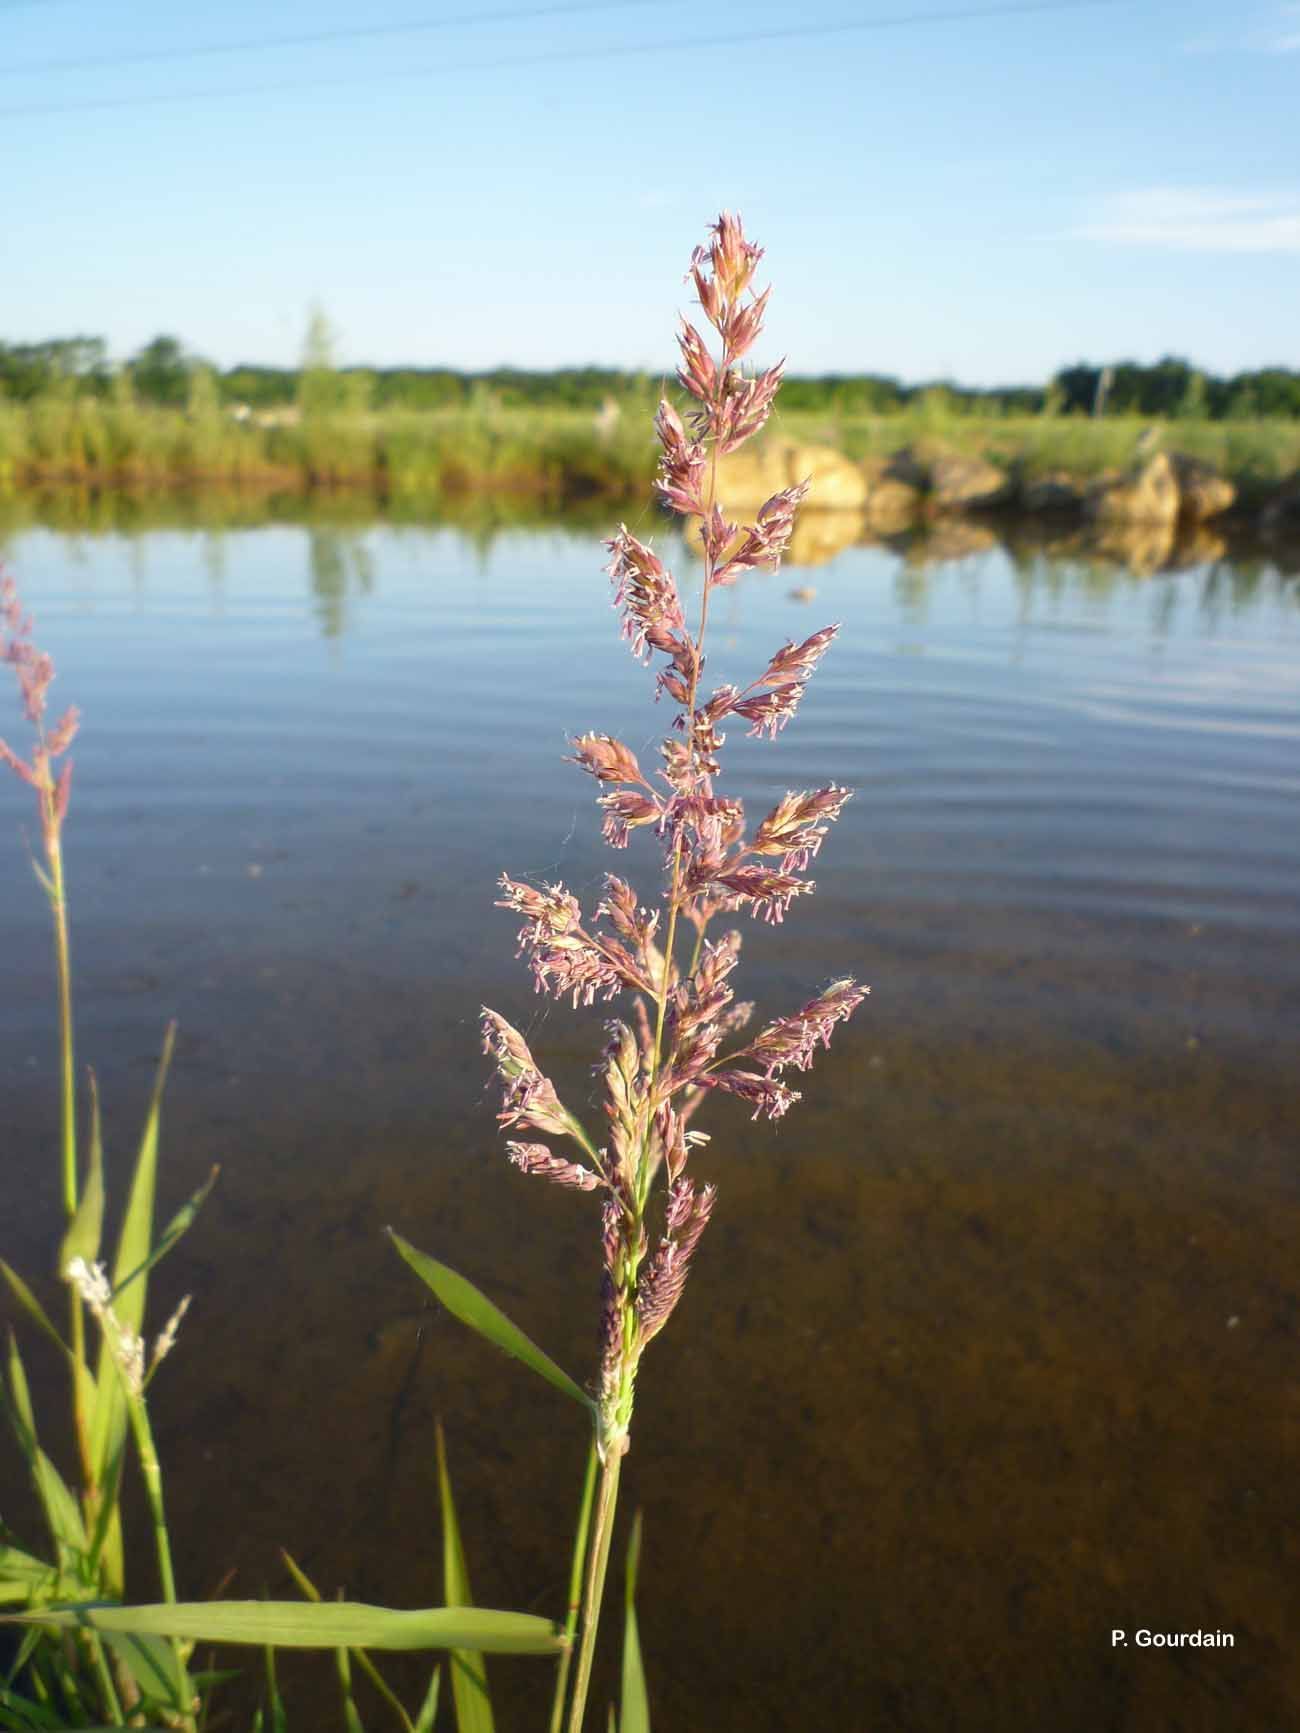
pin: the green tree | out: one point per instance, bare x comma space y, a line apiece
320, 388
161, 372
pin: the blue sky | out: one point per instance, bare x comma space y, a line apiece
985, 198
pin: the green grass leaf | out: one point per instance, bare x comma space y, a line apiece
108, 1420
351, 1715
636, 1703
62, 1512
155, 1667
24, 1578
429, 1708
464, 1301
326, 1625
86, 1228
469, 1684
176, 1228
33, 1307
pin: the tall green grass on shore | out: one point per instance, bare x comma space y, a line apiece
558, 455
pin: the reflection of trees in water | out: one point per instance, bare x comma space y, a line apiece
1050, 561
341, 565
1049, 576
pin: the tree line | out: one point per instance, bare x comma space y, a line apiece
163, 372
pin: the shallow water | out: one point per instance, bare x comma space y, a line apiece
988, 1349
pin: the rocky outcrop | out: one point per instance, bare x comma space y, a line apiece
967, 484
1202, 492
750, 477
895, 491
1148, 494
837, 482
820, 535
1143, 545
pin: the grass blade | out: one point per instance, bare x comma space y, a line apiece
469, 1686
61, 1510
429, 1708
326, 1625
636, 1703
155, 1668
32, 1306
464, 1301
176, 1228
137, 1226
23, 1577
108, 1422
309, 1590
86, 1228
279, 1720
351, 1717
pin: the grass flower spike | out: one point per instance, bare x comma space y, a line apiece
670, 1048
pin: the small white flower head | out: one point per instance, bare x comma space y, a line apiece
167, 1340
128, 1350
91, 1282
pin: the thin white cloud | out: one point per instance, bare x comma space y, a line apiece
1198, 220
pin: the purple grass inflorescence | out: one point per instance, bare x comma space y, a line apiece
35, 671
660, 1064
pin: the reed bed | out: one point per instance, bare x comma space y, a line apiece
556, 455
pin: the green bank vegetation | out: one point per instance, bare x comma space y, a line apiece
559, 455
166, 418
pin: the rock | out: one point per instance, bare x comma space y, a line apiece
1143, 546
1146, 495
837, 482
1196, 546
947, 539
967, 484
820, 535
1055, 492
892, 504
1202, 492
750, 477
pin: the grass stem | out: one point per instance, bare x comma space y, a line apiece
597, 1567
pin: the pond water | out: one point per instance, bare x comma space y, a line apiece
987, 1350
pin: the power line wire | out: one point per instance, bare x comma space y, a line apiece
312, 38
1014, 8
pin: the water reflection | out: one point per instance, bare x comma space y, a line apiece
340, 565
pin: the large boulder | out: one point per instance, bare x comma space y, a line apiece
1202, 492
1148, 494
946, 539
820, 535
893, 503
749, 477
837, 482
967, 484
892, 506
1143, 545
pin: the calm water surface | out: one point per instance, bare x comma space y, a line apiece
988, 1349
